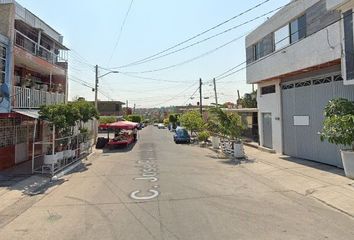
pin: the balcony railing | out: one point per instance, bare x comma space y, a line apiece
32, 98
34, 48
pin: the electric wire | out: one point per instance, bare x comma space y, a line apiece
121, 31
195, 36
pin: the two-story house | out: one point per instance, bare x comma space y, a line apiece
295, 58
33, 72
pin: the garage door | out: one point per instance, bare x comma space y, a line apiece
302, 106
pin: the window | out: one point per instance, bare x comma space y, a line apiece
257, 50
281, 37
298, 29
268, 89
348, 44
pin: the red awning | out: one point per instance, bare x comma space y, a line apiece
120, 125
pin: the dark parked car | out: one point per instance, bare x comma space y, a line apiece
181, 136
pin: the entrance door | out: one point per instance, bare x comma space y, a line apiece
267, 130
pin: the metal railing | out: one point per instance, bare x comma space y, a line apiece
34, 48
32, 98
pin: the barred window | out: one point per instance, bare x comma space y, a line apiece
268, 89
7, 136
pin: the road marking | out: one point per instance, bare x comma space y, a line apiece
149, 172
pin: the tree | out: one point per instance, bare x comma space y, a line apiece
134, 118
166, 121
107, 119
173, 118
66, 116
192, 121
228, 124
87, 110
249, 100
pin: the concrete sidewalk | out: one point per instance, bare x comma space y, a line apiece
324, 183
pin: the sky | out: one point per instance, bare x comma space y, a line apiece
95, 34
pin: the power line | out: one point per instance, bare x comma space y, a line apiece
121, 30
177, 95
201, 41
153, 79
195, 36
191, 96
194, 58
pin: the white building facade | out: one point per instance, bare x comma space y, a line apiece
295, 58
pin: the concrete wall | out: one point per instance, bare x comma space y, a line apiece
7, 12
333, 4
321, 47
270, 103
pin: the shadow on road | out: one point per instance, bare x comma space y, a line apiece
120, 149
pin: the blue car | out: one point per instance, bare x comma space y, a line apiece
181, 136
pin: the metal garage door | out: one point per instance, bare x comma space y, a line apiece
302, 105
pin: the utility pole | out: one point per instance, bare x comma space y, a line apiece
96, 87
216, 94
96, 104
201, 98
127, 108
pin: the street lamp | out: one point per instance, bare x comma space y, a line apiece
108, 73
96, 97
96, 84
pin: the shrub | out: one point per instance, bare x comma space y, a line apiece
203, 136
338, 126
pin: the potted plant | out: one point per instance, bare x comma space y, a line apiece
230, 127
49, 157
203, 137
214, 130
338, 128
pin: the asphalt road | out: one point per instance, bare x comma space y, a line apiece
160, 190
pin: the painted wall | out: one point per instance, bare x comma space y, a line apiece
270, 103
321, 47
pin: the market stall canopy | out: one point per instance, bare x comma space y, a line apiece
120, 125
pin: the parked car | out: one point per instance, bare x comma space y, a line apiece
181, 136
156, 124
160, 126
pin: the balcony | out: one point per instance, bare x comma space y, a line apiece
35, 49
33, 98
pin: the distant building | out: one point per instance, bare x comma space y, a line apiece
110, 108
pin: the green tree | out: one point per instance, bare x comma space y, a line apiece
107, 119
249, 100
87, 110
228, 124
174, 118
134, 118
192, 121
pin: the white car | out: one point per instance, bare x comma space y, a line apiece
160, 126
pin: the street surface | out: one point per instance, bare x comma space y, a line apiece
160, 190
